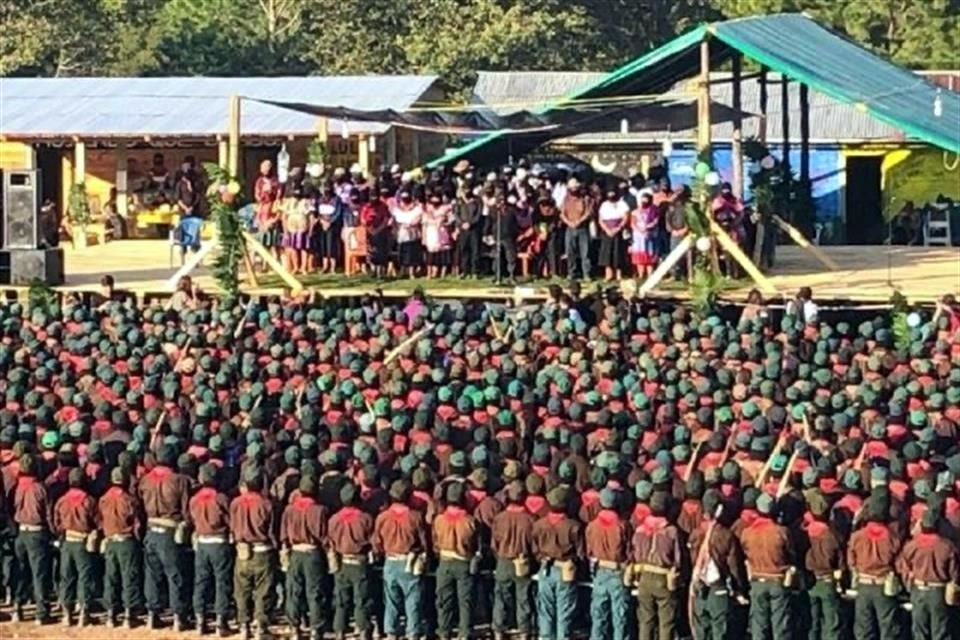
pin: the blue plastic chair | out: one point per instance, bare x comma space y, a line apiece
186, 235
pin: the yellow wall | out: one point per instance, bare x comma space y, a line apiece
919, 175
14, 155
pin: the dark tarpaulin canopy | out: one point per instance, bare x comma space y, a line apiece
791, 44
559, 122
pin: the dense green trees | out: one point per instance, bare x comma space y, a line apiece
449, 37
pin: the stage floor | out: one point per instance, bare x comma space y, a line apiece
865, 275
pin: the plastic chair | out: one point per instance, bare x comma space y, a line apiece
937, 230
186, 235
354, 249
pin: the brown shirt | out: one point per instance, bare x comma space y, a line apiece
512, 533
608, 537
929, 557
872, 550
657, 542
119, 513
768, 547
210, 512
304, 521
400, 530
251, 519
723, 549
30, 502
75, 511
557, 537
576, 209
455, 530
165, 493
350, 531
824, 553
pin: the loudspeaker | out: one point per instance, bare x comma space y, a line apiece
25, 266
21, 198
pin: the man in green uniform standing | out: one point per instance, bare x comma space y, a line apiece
770, 555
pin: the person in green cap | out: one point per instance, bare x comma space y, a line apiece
658, 560
253, 526
212, 560
825, 562
74, 521
607, 540
770, 554
119, 517
559, 546
165, 495
512, 543
401, 537
871, 556
719, 575
31, 547
456, 539
350, 533
930, 564
303, 529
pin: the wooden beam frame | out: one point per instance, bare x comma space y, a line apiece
664, 267
703, 99
797, 236
745, 263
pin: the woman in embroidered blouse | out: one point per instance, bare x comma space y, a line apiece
407, 215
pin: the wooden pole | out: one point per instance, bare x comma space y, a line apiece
804, 132
703, 99
233, 129
121, 178
223, 152
762, 135
737, 144
785, 118
79, 162
764, 99
664, 267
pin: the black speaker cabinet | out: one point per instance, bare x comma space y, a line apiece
21, 205
26, 266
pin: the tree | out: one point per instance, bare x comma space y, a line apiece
468, 35
923, 35
52, 37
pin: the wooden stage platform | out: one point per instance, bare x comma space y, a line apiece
865, 275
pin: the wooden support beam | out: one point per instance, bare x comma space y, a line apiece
192, 263
703, 99
265, 255
801, 240
785, 117
764, 99
121, 180
79, 162
363, 154
233, 129
223, 153
664, 267
737, 143
804, 132
731, 247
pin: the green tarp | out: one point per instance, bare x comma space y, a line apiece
835, 66
791, 44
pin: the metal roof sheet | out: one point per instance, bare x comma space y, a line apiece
191, 106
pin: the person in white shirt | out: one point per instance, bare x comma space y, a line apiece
612, 216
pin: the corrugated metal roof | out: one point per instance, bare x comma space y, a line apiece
830, 121
511, 91
194, 106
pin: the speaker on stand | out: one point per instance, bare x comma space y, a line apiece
22, 260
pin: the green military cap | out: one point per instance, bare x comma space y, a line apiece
454, 493
118, 476
918, 418
348, 494
766, 504
216, 443
458, 459
557, 499
851, 480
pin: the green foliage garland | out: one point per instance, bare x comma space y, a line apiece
900, 326
78, 205
222, 197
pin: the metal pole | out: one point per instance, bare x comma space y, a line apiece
785, 117
804, 132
